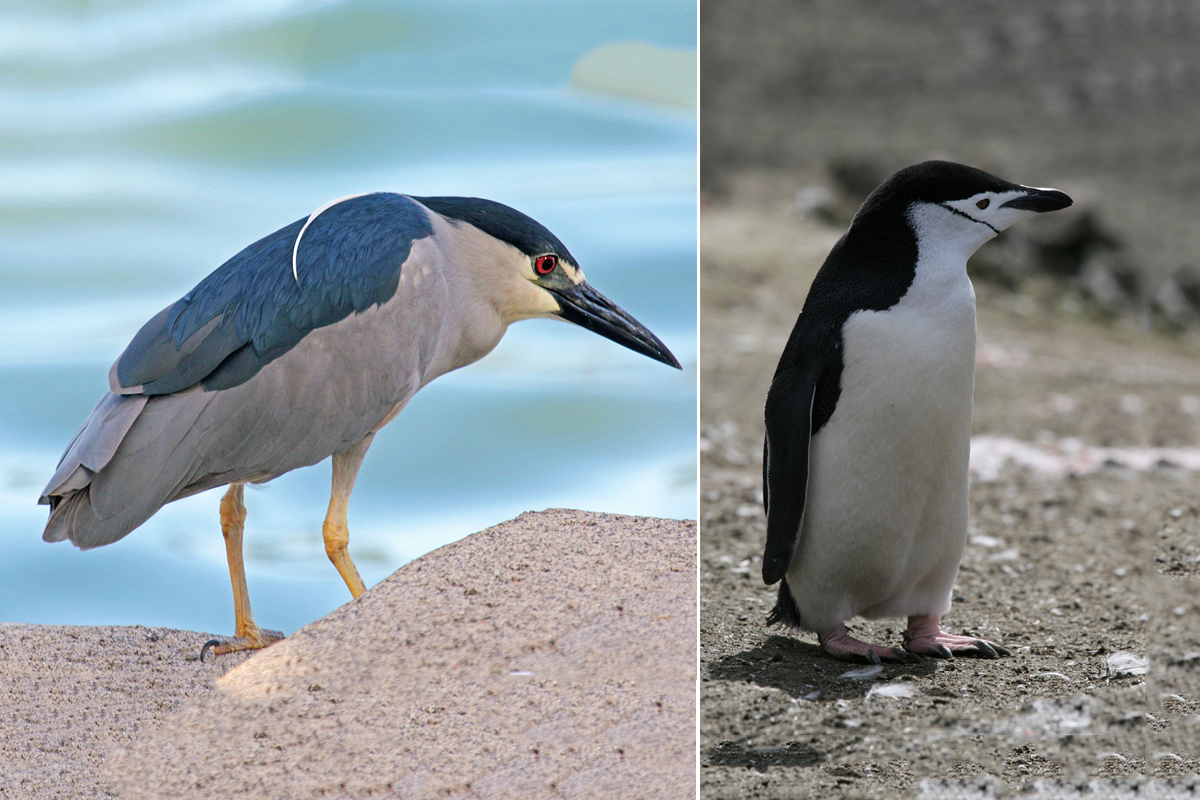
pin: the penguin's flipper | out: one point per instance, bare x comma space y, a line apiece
785, 463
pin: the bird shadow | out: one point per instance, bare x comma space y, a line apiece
801, 669
761, 759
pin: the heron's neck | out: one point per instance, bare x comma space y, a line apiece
471, 324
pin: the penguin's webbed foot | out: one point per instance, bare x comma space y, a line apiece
838, 643
926, 637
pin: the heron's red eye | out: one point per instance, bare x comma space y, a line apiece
544, 265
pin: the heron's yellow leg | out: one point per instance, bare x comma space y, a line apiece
247, 634
233, 523
335, 530
337, 537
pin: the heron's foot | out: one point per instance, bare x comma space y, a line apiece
838, 643
926, 637
255, 639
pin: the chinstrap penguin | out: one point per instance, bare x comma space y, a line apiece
868, 419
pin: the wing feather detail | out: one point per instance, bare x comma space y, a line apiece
251, 310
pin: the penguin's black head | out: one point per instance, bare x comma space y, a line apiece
977, 197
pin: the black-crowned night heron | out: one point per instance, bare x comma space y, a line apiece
302, 346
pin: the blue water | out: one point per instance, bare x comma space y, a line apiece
143, 143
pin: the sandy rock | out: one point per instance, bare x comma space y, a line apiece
69, 694
552, 654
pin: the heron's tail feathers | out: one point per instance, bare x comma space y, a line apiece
68, 516
133, 455
72, 514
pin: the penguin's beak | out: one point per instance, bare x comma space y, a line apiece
589, 309
1039, 200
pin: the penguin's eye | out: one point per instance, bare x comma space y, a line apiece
544, 265
984, 203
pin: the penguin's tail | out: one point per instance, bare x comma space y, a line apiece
786, 610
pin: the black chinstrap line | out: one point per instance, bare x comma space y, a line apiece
953, 210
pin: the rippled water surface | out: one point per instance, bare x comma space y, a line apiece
143, 143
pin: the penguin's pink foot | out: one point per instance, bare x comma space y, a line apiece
926, 637
838, 642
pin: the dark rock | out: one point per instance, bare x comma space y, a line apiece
1177, 300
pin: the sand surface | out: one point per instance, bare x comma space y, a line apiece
552, 655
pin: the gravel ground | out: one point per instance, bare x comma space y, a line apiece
1081, 577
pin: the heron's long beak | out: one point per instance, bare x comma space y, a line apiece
587, 308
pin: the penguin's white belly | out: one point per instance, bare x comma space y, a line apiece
885, 518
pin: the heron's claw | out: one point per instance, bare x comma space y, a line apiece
208, 644
255, 639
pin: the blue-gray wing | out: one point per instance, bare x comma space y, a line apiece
253, 308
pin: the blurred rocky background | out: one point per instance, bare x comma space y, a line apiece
812, 103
